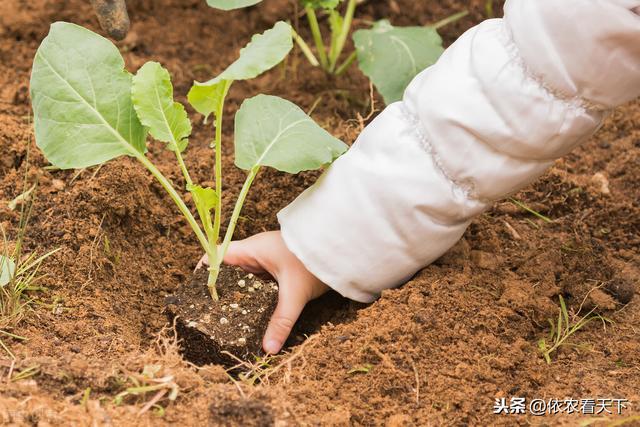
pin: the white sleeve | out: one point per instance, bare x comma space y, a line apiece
505, 100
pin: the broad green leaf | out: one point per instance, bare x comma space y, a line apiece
81, 95
264, 52
152, 96
7, 270
392, 56
231, 4
272, 131
205, 98
321, 4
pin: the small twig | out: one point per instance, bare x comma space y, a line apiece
415, 371
292, 357
512, 230
153, 401
315, 105
13, 364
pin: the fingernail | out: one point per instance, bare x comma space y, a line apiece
272, 346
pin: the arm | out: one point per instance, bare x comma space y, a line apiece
501, 104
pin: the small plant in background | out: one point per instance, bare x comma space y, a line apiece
88, 110
19, 276
405, 50
328, 55
340, 26
563, 329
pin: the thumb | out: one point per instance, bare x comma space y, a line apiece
242, 254
289, 307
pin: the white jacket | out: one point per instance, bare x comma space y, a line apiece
505, 100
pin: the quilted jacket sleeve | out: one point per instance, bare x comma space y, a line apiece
505, 100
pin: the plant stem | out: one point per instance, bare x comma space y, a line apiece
306, 50
176, 199
183, 167
450, 19
213, 237
333, 17
236, 212
218, 166
317, 36
346, 64
344, 33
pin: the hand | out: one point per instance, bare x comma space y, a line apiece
267, 253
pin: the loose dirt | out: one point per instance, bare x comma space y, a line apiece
439, 350
226, 331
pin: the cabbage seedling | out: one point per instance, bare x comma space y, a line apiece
405, 50
340, 25
88, 110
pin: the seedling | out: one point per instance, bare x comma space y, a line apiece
340, 26
390, 56
88, 110
563, 330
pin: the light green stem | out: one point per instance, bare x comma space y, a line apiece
213, 237
176, 199
183, 167
450, 19
346, 64
218, 164
344, 33
334, 34
317, 36
236, 214
304, 47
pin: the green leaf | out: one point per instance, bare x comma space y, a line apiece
321, 4
272, 131
231, 4
81, 95
336, 21
205, 98
152, 95
204, 198
7, 270
264, 52
392, 56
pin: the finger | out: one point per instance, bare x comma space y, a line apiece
203, 261
245, 254
284, 317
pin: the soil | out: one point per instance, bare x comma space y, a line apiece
226, 331
437, 351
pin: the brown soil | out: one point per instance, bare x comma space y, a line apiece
439, 350
207, 330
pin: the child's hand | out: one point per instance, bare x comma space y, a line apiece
267, 253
